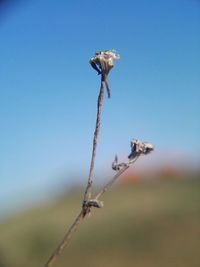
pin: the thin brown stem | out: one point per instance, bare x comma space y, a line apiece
102, 59
113, 179
65, 240
95, 141
81, 216
84, 210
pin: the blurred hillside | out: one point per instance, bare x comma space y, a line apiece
144, 224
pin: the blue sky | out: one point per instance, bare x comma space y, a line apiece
48, 90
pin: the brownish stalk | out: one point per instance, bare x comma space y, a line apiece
65, 240
85, 209
95, 141
80, 217
113, 180
137, 148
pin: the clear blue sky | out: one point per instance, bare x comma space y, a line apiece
48, 90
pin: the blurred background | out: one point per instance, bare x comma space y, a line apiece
48, 95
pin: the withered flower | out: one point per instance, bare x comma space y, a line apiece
138, 148
103, 62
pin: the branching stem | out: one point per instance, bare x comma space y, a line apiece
87, 192
138, 148
81, 216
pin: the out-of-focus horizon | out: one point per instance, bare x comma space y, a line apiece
144, 223
48, 91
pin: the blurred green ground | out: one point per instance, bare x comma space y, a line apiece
143, 224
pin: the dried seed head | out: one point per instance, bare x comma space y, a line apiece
138, 148
104, 60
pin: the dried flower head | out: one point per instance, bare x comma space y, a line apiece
138, 148
103, 62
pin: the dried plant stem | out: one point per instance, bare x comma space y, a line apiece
84, 210
95, 141
103, 60
113, 179
89, 182
80, 217
110, 183
65, 240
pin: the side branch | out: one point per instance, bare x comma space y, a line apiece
138, 148
113, 179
